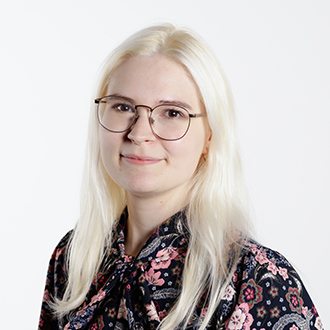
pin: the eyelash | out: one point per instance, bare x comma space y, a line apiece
120, 106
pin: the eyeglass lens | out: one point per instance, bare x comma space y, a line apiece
169, 122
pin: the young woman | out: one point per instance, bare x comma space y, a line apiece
164, 238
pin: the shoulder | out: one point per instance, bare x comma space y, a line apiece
268, 272
57, 265
258, 261
268, 291
65, 240
62, 247
55, 281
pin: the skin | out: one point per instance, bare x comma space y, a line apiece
154, 173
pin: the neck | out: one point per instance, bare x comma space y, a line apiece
145, 215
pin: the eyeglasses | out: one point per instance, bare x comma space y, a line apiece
168, 121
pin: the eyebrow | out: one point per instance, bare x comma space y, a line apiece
161, 102
178, 103
122, 96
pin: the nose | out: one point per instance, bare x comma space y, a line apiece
141, 130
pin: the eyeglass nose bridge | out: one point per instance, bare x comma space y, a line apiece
137, 116
151, 120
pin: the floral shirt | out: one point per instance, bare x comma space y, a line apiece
136, 293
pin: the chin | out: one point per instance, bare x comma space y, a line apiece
141, 189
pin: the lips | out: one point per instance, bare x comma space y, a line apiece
140, 160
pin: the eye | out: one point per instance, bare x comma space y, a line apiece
122, 107
171, 113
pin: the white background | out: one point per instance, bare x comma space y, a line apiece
276, 55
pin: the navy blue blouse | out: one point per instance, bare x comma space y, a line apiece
136, 293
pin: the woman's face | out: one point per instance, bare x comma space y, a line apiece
137, 160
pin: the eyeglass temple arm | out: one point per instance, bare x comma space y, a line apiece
195, 115
97, 101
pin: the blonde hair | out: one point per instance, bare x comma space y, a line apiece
218, 208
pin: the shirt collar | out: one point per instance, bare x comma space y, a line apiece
176, 225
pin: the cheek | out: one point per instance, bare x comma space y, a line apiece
188, 153
107, 148
194, 150
103, 147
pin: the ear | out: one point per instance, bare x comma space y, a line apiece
207, 143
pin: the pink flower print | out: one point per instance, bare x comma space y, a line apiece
251, 245
251, 293
164, 257
275, 312
229, 293
261, 312
112, 313
272, 267
140, 265
204, 311
293, 297
304, 311
127, 259
284, 273
98, 297
261, 258
58, 253
254, 250
152, 312
273, 291
153, 278
176, 270
314, 311
46, 296
294, 327
82, 312
162, 314
318, 324
241, 318
99, 278
122, 311
94, 326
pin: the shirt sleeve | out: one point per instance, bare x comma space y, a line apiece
55, 284
271, 295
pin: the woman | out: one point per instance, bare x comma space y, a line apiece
163, 240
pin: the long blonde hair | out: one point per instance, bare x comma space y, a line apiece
218, 207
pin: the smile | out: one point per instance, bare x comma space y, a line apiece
140, 160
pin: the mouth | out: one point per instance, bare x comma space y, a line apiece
139, 160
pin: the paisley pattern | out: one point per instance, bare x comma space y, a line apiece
136, 293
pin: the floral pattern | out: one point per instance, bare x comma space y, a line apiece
241, 318
137, 293
251, 293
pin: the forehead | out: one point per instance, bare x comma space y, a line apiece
151, 79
